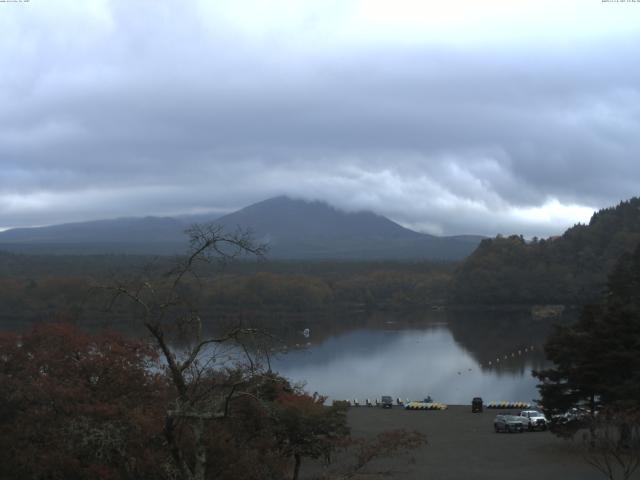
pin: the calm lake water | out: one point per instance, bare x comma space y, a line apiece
450, 356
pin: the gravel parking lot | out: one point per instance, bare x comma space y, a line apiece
463, 445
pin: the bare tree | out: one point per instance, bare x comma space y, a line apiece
165, 307
612, 443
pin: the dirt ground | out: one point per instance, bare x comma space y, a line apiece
463, 445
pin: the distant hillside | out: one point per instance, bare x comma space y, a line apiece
570, 269
294, 229
154, 235
297, 229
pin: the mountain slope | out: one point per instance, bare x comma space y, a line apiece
120, 235
113, 230
290, 218
294, 229
570, 269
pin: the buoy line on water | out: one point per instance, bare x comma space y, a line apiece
495, 362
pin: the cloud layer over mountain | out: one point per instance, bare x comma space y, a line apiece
464, 119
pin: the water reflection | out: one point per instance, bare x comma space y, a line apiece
451, 355
445, 357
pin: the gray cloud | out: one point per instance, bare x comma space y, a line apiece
111, 114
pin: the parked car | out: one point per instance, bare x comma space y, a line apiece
535, 420
386, 401
509, 423
476, 405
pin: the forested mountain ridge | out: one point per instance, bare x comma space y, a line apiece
569, 269
293, 229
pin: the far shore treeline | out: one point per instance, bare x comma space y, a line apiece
570, 269
34, 288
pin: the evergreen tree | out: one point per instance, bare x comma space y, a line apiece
597, 360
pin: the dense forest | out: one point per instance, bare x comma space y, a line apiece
570, 269
51, 287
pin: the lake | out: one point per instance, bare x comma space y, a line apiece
451, 356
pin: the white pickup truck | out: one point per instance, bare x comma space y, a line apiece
535, 419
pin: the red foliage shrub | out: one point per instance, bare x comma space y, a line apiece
75, 405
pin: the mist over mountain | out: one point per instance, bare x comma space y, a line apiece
314, 230
294, 229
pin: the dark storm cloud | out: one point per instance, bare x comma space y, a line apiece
168, 114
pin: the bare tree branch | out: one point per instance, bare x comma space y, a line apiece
201, 397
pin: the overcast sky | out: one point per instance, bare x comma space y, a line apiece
493, 116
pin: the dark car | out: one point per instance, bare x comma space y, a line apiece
386, 401
509, 423
476, 405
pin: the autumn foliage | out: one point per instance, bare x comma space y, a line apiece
80, 406
75, 406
